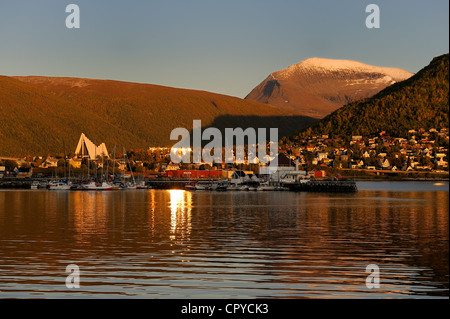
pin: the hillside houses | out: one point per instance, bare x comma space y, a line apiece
422, 150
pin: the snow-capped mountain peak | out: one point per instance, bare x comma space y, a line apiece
318, 86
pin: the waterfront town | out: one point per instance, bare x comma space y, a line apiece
424, 153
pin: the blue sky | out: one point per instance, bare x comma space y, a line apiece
223, 46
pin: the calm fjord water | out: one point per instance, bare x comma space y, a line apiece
176, 244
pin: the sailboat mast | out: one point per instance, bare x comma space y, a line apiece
95, 155
65, 156
123, 165
131, 171
107, 170
114, 162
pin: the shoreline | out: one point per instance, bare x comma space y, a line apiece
11, 184
402, 180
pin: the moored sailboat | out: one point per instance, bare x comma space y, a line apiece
59, 185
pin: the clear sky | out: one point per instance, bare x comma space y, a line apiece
226, 46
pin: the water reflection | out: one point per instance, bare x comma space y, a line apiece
89, 211
180, 214
238, 244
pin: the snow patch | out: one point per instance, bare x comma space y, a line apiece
329, 65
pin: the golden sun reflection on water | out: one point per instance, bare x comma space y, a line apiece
439, 184
180, 214
90, 212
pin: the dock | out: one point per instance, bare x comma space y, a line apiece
168, 184
310, 186
324, 187
15, 183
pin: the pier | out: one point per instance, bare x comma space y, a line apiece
310, 186
168, 184
324, 187
18, 183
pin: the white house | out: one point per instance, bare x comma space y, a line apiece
440, 160
50, 162
366, 154
321, 156
385, 164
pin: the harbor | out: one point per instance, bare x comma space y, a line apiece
320, 186
92, 168
324, 187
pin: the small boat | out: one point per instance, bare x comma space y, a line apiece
253, 186
129, 186
243, 188
35, 185
222, 187
265, 187
59, 186
203, 186
103, 186
141, 185
76, 187
91, 186
232, 187
190, 186
218, 186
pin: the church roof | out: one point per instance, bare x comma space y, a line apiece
86, 147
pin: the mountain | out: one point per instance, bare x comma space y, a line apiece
316, 87
419, 102
42, 114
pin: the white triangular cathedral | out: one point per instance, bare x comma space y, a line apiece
86, 148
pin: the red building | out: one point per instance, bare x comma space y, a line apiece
192, 174
320, 174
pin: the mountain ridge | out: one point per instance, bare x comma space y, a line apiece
316, 86
418, 102
41, 114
